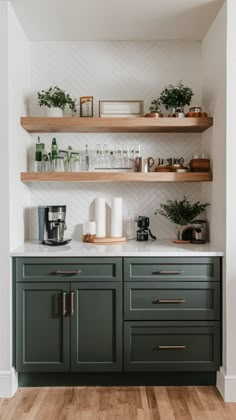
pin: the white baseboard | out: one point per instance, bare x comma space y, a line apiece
8, 383
226, 384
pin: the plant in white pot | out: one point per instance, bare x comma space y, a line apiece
56, 100
181, 213
176, 98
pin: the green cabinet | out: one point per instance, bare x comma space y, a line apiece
96, 327
68, 325
114, 314
172, 269
172, 314
172, 300
172, 346
42, 329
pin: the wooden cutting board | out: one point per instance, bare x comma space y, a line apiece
109, 240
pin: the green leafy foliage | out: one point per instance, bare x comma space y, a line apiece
155, 105
56, 97
181, 212
176, 96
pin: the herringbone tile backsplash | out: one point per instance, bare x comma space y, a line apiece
115, 70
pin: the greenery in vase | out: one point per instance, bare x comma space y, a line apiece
155, 106
181, 212
176, 96
55, 97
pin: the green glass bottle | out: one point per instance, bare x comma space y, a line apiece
54, 149
39, 151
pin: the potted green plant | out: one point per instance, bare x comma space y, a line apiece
56, 100
155, 109
176, 98
181, 213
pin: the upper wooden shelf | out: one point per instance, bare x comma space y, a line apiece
115, 125
115, 177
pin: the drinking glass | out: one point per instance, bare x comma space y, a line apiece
45, 166
75, 162
125, 157
58, 164
97, 156
118, 159
106, 155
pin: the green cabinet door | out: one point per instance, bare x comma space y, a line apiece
42, 327
96, 327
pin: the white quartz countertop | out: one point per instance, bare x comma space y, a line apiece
164, 248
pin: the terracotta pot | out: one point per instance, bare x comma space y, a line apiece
154, 115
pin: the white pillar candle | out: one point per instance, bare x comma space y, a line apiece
100, 217
117, 217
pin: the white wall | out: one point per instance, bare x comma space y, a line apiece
227, 377
5, 362
214, 99
14, 82
214, 139
116, 70
19, 139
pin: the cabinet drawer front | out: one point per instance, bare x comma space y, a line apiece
172, 269
166, 346
172, 301
72, 269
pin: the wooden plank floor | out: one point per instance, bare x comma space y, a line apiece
126, 403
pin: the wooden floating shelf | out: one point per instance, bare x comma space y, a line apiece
115, 177
115, 125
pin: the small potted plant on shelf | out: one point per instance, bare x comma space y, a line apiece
56, 100
176, 98
181, 213
155, 111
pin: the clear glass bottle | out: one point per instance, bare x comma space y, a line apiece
130, 228
86, 168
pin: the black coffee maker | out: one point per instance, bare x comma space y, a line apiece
143, 232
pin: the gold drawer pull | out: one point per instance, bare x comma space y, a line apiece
72, 307
169, 301
167, 272
68, 273
64, 294
171, 347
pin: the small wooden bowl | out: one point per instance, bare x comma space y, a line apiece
154, 115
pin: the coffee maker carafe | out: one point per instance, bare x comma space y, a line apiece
52, 225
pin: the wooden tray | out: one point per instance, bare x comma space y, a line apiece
109, 240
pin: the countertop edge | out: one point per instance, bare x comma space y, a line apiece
118, 254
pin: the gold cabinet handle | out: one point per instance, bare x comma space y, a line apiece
169, 348
72, 305
168, 272
68, 273
64, 303
169, 301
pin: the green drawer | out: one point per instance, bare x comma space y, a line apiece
172, 301
172, 269
171, 346
73, 269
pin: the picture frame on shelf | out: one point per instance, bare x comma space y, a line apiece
86, 106
122, 109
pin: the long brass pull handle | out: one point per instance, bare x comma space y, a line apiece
64, 303
169, 301
167, 272
68, 273
169, 348
72, 306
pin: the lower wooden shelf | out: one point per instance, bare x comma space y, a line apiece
115, 177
